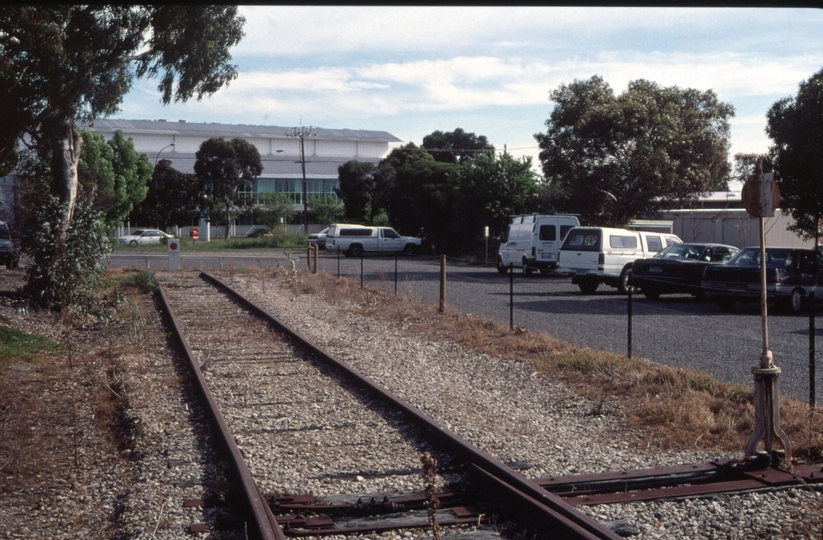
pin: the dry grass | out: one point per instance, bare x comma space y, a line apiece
669, 408
62, 407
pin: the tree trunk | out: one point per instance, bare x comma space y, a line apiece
66, 146
228, 218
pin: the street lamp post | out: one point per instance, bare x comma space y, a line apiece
161, 151
302, 133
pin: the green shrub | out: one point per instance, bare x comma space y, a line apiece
144, 281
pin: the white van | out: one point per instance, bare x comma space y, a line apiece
531, 242
595, 255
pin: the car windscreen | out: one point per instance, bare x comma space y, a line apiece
583, 240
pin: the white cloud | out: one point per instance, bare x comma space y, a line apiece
466, 83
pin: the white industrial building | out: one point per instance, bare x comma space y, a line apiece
720, 217
324, 150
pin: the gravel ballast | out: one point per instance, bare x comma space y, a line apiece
503, 406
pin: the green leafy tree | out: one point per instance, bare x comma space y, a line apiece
364, 189
325, 209
173, 198
227, 167
456, 146
615, 158
424, 196
745, 165
117, 172
64, 273
274, 209
67, 63
795, 125
492, 188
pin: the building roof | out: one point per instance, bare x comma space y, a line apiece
213, 129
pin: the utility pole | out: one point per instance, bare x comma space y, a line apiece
302, 133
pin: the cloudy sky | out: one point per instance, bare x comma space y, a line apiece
489, 70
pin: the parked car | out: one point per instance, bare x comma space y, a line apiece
595, 255
144, 236
319, 238
678, 269
354, 240
791, 274
532, 241
8, 256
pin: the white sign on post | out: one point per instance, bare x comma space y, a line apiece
174, 254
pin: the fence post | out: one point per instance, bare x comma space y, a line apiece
396, 254
812, 336
511, 296
361, 268
442, 307
629, 340
338, 263
315, 252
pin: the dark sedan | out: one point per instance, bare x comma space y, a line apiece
678, 269
791, 274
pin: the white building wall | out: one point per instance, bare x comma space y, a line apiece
336, 148
733, 227
371, 150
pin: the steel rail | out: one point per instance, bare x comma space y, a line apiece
564, 520
263, 521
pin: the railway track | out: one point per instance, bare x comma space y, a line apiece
280, 401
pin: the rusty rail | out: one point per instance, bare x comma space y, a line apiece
549, 512
263, 522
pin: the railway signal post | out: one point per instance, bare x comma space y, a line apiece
761, 195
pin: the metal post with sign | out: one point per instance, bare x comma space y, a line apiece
761, 195
174, 254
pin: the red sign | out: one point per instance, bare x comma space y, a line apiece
194, 233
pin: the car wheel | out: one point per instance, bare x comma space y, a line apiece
501, 267
623, 284
651, 295
726, 304
355, 251
701, 295
133, 243
408, 250
588, 287
794, 303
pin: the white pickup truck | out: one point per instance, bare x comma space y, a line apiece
354, 240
